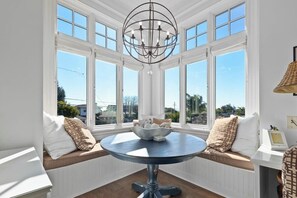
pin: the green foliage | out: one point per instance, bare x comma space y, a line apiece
61, 93
173, 116
67, 110
227, 110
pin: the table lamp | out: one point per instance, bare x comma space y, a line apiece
289, 82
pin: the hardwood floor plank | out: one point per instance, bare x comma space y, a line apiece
122, 187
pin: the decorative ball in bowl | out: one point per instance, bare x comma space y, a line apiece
157, 134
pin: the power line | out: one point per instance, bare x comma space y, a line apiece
77, 72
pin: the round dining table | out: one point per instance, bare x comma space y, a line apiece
177, 147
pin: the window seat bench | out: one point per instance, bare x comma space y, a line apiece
73, 158
228, 158
81, 171
229, 174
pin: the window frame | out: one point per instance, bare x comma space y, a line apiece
72, 23
106, 37
196, 35
229, 22
206, 52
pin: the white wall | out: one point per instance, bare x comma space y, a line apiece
278, 29
21, 65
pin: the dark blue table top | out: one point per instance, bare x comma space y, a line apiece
176, 148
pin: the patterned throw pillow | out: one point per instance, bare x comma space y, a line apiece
222, 134
81, 136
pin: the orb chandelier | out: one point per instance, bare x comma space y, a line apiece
150, 33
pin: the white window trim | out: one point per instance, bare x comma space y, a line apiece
252, 87
206, 52
91, 51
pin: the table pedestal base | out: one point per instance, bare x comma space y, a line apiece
152, 189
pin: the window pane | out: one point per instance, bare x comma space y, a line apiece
167, 51
130, 95
222, 32
111, 44
106, 108
64, 27
222, 19
111, 33
196, 95
80, 20
202, 40
172, 94
80, 33
202, 28
100, 40
134, 53
176, 50
238, 26
125, 50
191, 44
238, 12
71, 73
64, 13
100, 29
191, 32
230, 84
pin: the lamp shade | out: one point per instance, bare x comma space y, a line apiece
289, 82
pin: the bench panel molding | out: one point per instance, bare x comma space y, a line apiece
222, 179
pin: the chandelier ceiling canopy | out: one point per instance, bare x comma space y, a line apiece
150, 33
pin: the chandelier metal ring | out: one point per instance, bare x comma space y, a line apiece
150, 33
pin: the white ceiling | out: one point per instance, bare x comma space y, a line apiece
119, 9
125, 6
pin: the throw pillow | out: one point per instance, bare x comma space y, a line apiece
82, 137
247, 138
222, 134
56, 140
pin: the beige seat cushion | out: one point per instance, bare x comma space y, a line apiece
72, 158
228, 158
222, 134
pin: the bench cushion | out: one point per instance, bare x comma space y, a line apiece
72, 158
228, 158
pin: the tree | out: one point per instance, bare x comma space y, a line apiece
63, 108
228, 109
61, 93
67, 110
196, 109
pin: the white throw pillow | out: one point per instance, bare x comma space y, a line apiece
247, 139
57, 141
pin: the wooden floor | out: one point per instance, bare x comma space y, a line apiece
122, 188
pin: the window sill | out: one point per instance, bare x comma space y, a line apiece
102, 131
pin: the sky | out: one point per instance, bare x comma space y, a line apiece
230, 68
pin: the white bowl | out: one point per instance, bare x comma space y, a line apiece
150, 133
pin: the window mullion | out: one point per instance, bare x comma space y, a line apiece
119, 94
211, 89
182, 115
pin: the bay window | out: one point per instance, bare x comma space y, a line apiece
204, 78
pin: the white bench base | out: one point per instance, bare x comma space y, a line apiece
219, 178
79, 178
